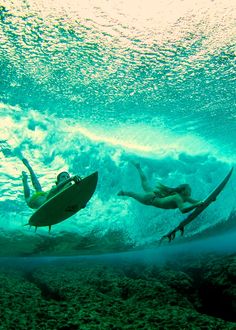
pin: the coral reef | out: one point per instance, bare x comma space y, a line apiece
185, 293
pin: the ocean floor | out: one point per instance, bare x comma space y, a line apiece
186, 292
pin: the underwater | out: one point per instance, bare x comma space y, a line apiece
141, 95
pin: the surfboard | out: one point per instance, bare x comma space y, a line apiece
210, 198
65, 203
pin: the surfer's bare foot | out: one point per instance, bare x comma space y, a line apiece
121, 193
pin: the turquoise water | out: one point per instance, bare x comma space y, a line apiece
90, 86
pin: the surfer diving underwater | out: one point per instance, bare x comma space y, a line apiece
162, 196
37, 199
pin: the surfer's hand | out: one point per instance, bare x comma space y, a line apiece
200, 203
76, 178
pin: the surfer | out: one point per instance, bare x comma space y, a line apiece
40, 197
162, 196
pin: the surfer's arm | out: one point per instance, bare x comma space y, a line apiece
186, 209
58, 187
55, 189
192, 201
190, 208
51, 192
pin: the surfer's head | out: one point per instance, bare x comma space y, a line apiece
63, 176
184, 189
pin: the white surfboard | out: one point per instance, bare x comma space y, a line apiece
210, 199
66, 203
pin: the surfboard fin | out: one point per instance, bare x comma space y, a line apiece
181, 230
49, 229
28, 224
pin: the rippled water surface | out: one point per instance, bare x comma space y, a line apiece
92, 85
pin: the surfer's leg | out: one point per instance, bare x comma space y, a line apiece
142, 198
25, 185
34, 179
143, 178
